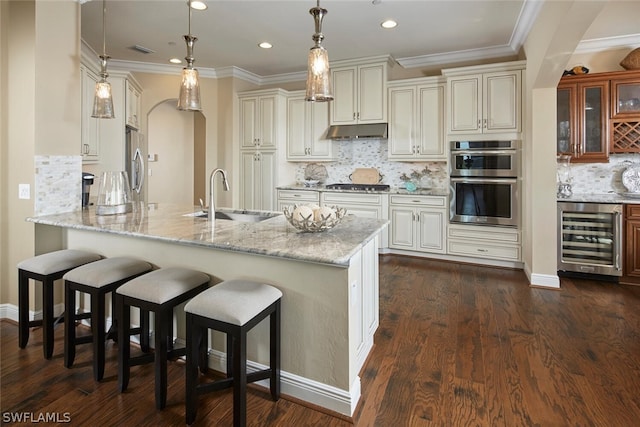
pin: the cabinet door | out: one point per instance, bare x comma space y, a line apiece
266, 184
402, 122
132, 105
297, 135
90, 127
430, 141
501, 94
432, 230
592, 111
267, 130
248, 122
566, 119
625, 98
321, 147
402, 228
248, 194
343, 107
372, 94
465, 104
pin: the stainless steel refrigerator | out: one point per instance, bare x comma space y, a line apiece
135, 162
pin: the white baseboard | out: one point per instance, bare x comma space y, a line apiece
542, 280
10, 311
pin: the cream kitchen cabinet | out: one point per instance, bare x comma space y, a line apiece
360, 94
132, 104
416, 120
258, 180
90, 127
288, 198
262, 118
307, 124
418, 223
483, 241
367, 205
486, 102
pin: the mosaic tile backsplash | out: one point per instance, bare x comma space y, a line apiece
600, 178
372, 153
58, 182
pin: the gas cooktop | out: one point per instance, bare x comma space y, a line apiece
360, 187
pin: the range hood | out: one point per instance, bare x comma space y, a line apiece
364, 131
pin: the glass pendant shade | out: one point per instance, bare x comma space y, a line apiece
189, 99
103, 101
318, 76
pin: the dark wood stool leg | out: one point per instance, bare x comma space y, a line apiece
23, 308
203, 363
240, 379
194, 342
144, 330
47, 318
274, 354
124, 351
98, 333
69, 324
229, 355
160, 324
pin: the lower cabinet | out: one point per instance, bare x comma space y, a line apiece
418, 223
367, 205
287, 198
631, 245
496, 243
258, 180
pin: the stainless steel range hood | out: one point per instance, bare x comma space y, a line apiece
364, 131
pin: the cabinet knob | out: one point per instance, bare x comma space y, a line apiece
354, 115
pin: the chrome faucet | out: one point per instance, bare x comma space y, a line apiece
212, 209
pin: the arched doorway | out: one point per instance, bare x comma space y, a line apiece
177, 155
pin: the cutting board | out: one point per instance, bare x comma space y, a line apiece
365, 176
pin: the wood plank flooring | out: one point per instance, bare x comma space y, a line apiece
458, 345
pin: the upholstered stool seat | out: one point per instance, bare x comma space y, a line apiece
96, 279
160, 292
45, 268
233, 307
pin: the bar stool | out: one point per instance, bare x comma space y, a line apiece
45, 268
160, 292
96, 279
233, 307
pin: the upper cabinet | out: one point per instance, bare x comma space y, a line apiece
485, 99
598, 114
90, 127
132, 104
416, 119
359, 93
261, 113
307, 124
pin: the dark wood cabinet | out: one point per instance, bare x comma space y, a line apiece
631, 245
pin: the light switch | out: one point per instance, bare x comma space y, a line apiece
24, 191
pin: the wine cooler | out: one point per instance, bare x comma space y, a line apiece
590, 238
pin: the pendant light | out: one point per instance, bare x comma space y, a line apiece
318, 72
189, 99
102, 100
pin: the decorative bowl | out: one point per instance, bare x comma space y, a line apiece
305, 222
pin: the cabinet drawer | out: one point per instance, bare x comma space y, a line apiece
495, 234
299, 196
483, 250
633, 211
371, 199
433, 201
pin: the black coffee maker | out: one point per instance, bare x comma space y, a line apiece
87, 182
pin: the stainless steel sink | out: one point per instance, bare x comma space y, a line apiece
238, 216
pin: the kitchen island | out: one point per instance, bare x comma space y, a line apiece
329, 282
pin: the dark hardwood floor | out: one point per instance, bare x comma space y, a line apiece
458, 345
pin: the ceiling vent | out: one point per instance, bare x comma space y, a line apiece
141, 49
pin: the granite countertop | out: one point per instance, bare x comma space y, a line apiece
272, 237
601, 198
392, 190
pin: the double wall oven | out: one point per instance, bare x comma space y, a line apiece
484, 182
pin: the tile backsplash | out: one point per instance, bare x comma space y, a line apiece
600, 178
58, 182
372, 153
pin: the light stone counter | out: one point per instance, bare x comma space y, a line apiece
601, 198
392, 190
329, 281
272, 237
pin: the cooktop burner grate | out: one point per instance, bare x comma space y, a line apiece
361, 187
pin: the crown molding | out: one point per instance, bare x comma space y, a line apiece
458, 56
631, 41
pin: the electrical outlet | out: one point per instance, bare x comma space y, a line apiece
24, 191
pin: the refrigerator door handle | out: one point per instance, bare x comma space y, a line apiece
138, 171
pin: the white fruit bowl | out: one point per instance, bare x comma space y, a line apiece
309, 220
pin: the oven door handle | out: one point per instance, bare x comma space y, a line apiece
480, 180
476, 152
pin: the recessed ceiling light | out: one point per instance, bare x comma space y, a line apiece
265, 45
389, 23
198, 5
175, 61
